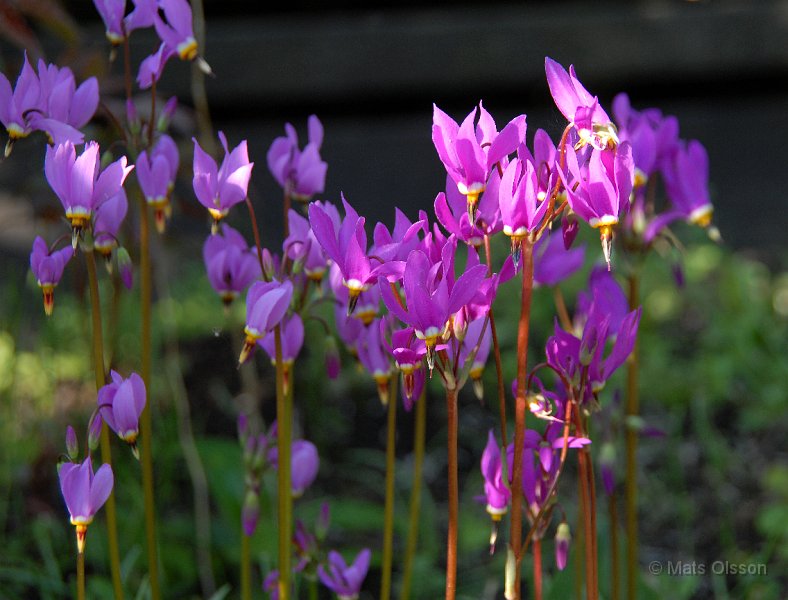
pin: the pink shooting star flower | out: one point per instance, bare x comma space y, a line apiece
408, 352
305, 463
432, 295
580, 108
346, 245
496, 490
266, 305
599, 191
230, 264
521, 209
121, 403
65, 108
292, 342
177, 32
106, 224
48, 269
17, 105
687, 184
220, 188
345, 581
371, 350
80, 184
156, 173
302, 245
451, 212
301, 173
562, 538
84, 493
470, 150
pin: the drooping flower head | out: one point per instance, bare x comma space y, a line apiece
687, 183
301, 173
598, 191
64, 107
18, 105
292, 341
219, 188
302, 245
372, 353
156, 173
345, 581
346, 244
266, 304
48, 269
79, 182
432, 295
230, 264
84, 493
107, 221
580, 108
121, 403
522, 209
408, 352
305, 463
496, 490
470, 150
177, 32
475, 346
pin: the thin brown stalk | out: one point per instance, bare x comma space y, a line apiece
520, 408
451, 544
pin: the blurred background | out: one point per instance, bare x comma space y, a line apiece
715, 357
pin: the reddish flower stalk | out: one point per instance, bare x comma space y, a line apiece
631, 456
537, 550
451, 545
588, 505
520, 407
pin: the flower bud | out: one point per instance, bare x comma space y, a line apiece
135, 126
269, 269
607, 462
258, 461
243, 429
166, 114
72, 448
250, 512
125, 267
323, 521
333, 364
562, 539
569, 228
94, 431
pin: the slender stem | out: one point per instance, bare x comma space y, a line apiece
256, 232
537, 550
106, 451
588, 508
246, 567
560, 306
199, 95
451, 545
579, 546
520, 407
496, 350
285, 497
630, 489
613, 510
146, 421
313, 590
388, 511
80, 576
286, 214
415, 494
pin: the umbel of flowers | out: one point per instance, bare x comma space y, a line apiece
414, 302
